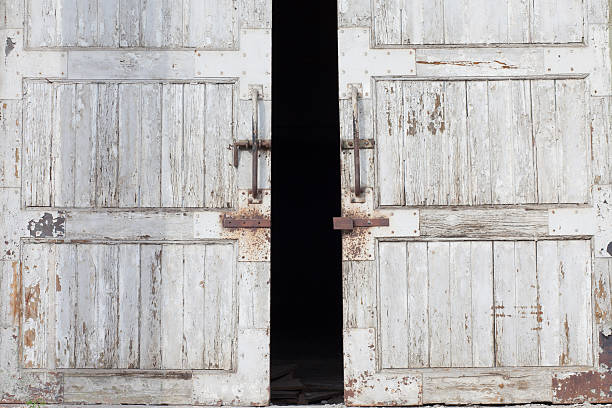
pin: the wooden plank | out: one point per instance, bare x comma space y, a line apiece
219, 174
107, 307
172, 146
68, 24
458, 169
150, 306
87, 331
415, 142
479, 142
438, 256
41, 23
162, 24
108, 24
63, 146
504, 273
107, 146
193, 142
476, 22
436, 188
130, 145
526, 307
151, 146
460, 291
359, 294
502, 154
87, 33
483, 333
389, 139
519, 15
601, 135
575, 302
418, 305
35, 307
128, 353
254, 295
548, 288
209, 24
393, 289
602, 269
524, 177
129, 20
37, 130
65, 305
548, 154
86, 145
574, 138
10, 150
557, 21
422, 22
11, 14
193, 304
387, 16
354, 13
219, 295
10, 294
172, 334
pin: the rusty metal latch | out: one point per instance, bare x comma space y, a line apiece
349, 224
230, 222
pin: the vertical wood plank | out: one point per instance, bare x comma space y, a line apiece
37, 133
483, 311
11, 14
458, 172
87, 330
63, 146
546, 140
129, 306
557, 21
575, 302
150, 304
10, 151
193, 301
258, 13
193, 144
172, 333
65, 305
86, 145
504, 273
502, 141
68, 25
219, 175
388, 21
602, 268
87, 31
254, 292
108, 23
389, 97
527, 306
150, 146
130, 145
359, 293
418, 305
519, 16
434, 105
219, 309
574, 139
522, 140
479, 142
601, 135
129, 19
393, 304
460, 293
35, 258
548, 287
107, 305
108, 144
422, 22
415, 142
42, 24
172, 146
162, 24
439, 304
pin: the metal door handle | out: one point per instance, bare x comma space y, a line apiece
354, 96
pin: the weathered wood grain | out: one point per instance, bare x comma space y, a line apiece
10, 149
601, 138
11, 14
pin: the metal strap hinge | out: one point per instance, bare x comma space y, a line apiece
230, 222
349, 224
248, 145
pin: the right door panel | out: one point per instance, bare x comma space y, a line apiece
484, 140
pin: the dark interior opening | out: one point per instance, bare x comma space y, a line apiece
306, 326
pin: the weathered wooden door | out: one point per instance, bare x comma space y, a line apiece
128, 274
485, 145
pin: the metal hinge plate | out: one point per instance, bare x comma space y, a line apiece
230, 222
349, 224
363, 144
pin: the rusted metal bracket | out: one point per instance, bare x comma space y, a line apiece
230, 222
363, 144
349, 224
248, 145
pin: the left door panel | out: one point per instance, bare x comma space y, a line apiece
126, 276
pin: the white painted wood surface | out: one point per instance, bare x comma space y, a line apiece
150, 300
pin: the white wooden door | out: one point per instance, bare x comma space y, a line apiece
119, 283
489, 151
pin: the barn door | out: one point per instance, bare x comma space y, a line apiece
476, 188
135, 201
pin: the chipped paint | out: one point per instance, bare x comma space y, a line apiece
15, 295
48, 226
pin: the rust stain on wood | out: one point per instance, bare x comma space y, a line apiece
58, 284
32, 301
15, 295
465, 63
28, 337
